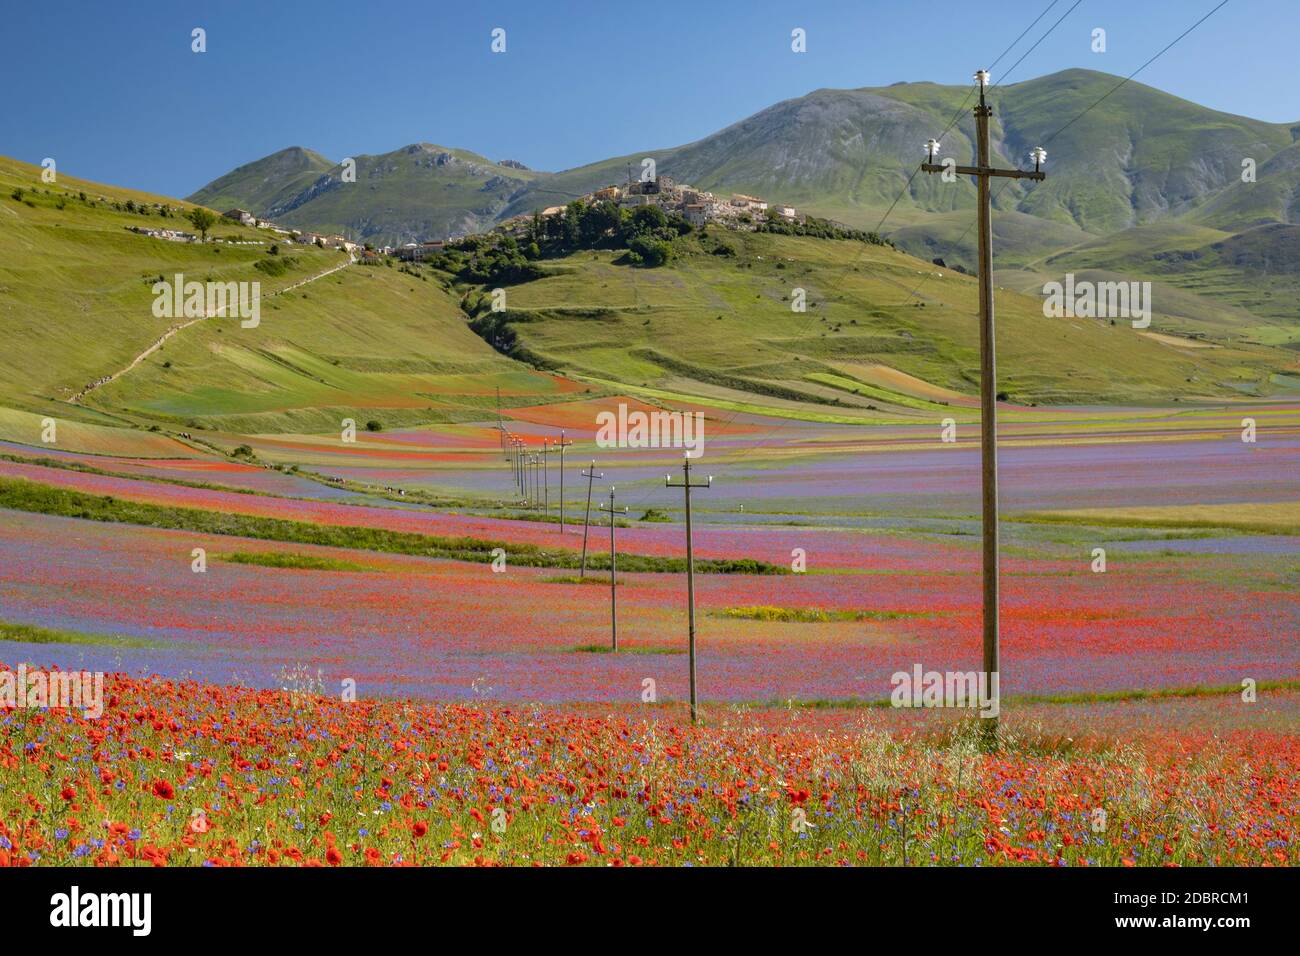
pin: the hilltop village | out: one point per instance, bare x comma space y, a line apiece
697, 206
682, 203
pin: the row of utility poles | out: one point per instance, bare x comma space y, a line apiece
532, 469
527, 468
527, 465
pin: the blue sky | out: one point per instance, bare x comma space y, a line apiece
113, 92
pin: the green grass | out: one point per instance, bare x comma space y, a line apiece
1072, 697
1243, 517
602, 580
672, 332
32, 634
812, 615
289, 559
25, 495
606, 649
364, 342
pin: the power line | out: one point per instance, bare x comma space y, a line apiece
1013, 66
1216, 9
955, 117
1084, 112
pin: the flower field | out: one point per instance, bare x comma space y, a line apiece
490, 724
191, 774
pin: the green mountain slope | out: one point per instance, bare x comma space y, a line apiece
417, 192
675, 330
1141, 157
267, 183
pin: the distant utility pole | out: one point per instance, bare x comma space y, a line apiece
537, 480
586, 518
686, 485
519, 466
561, 445
518, 446
546, 478
984, 172
501, 426
613, 570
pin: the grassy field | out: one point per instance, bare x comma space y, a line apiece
1261, 518
23, 495
675, 329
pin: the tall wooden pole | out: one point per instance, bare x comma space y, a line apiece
546, 478
988, 411
984, 172
686, 485
613, 572
586, 518
562, 445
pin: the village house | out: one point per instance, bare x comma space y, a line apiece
171, 235
748, 203
698, 206
241, 216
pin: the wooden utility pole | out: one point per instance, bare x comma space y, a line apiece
501, 426
546, 478
983, 172
586, 518
519, 466
561, 445
686, 485
613, 570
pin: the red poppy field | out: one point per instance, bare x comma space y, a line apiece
198, 774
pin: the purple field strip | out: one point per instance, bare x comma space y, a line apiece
440, 629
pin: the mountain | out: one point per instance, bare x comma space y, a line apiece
265, 184
416, 192
1139, 156
1122, 158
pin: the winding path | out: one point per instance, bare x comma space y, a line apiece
158, 343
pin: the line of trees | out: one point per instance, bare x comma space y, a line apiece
647, 233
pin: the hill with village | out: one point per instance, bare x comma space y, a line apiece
660, 290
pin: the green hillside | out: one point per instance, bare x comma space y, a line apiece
885, 336
76, 304
676, 330
1141, 158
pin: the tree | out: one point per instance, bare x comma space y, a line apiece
202, 220
650, 252
647, 219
